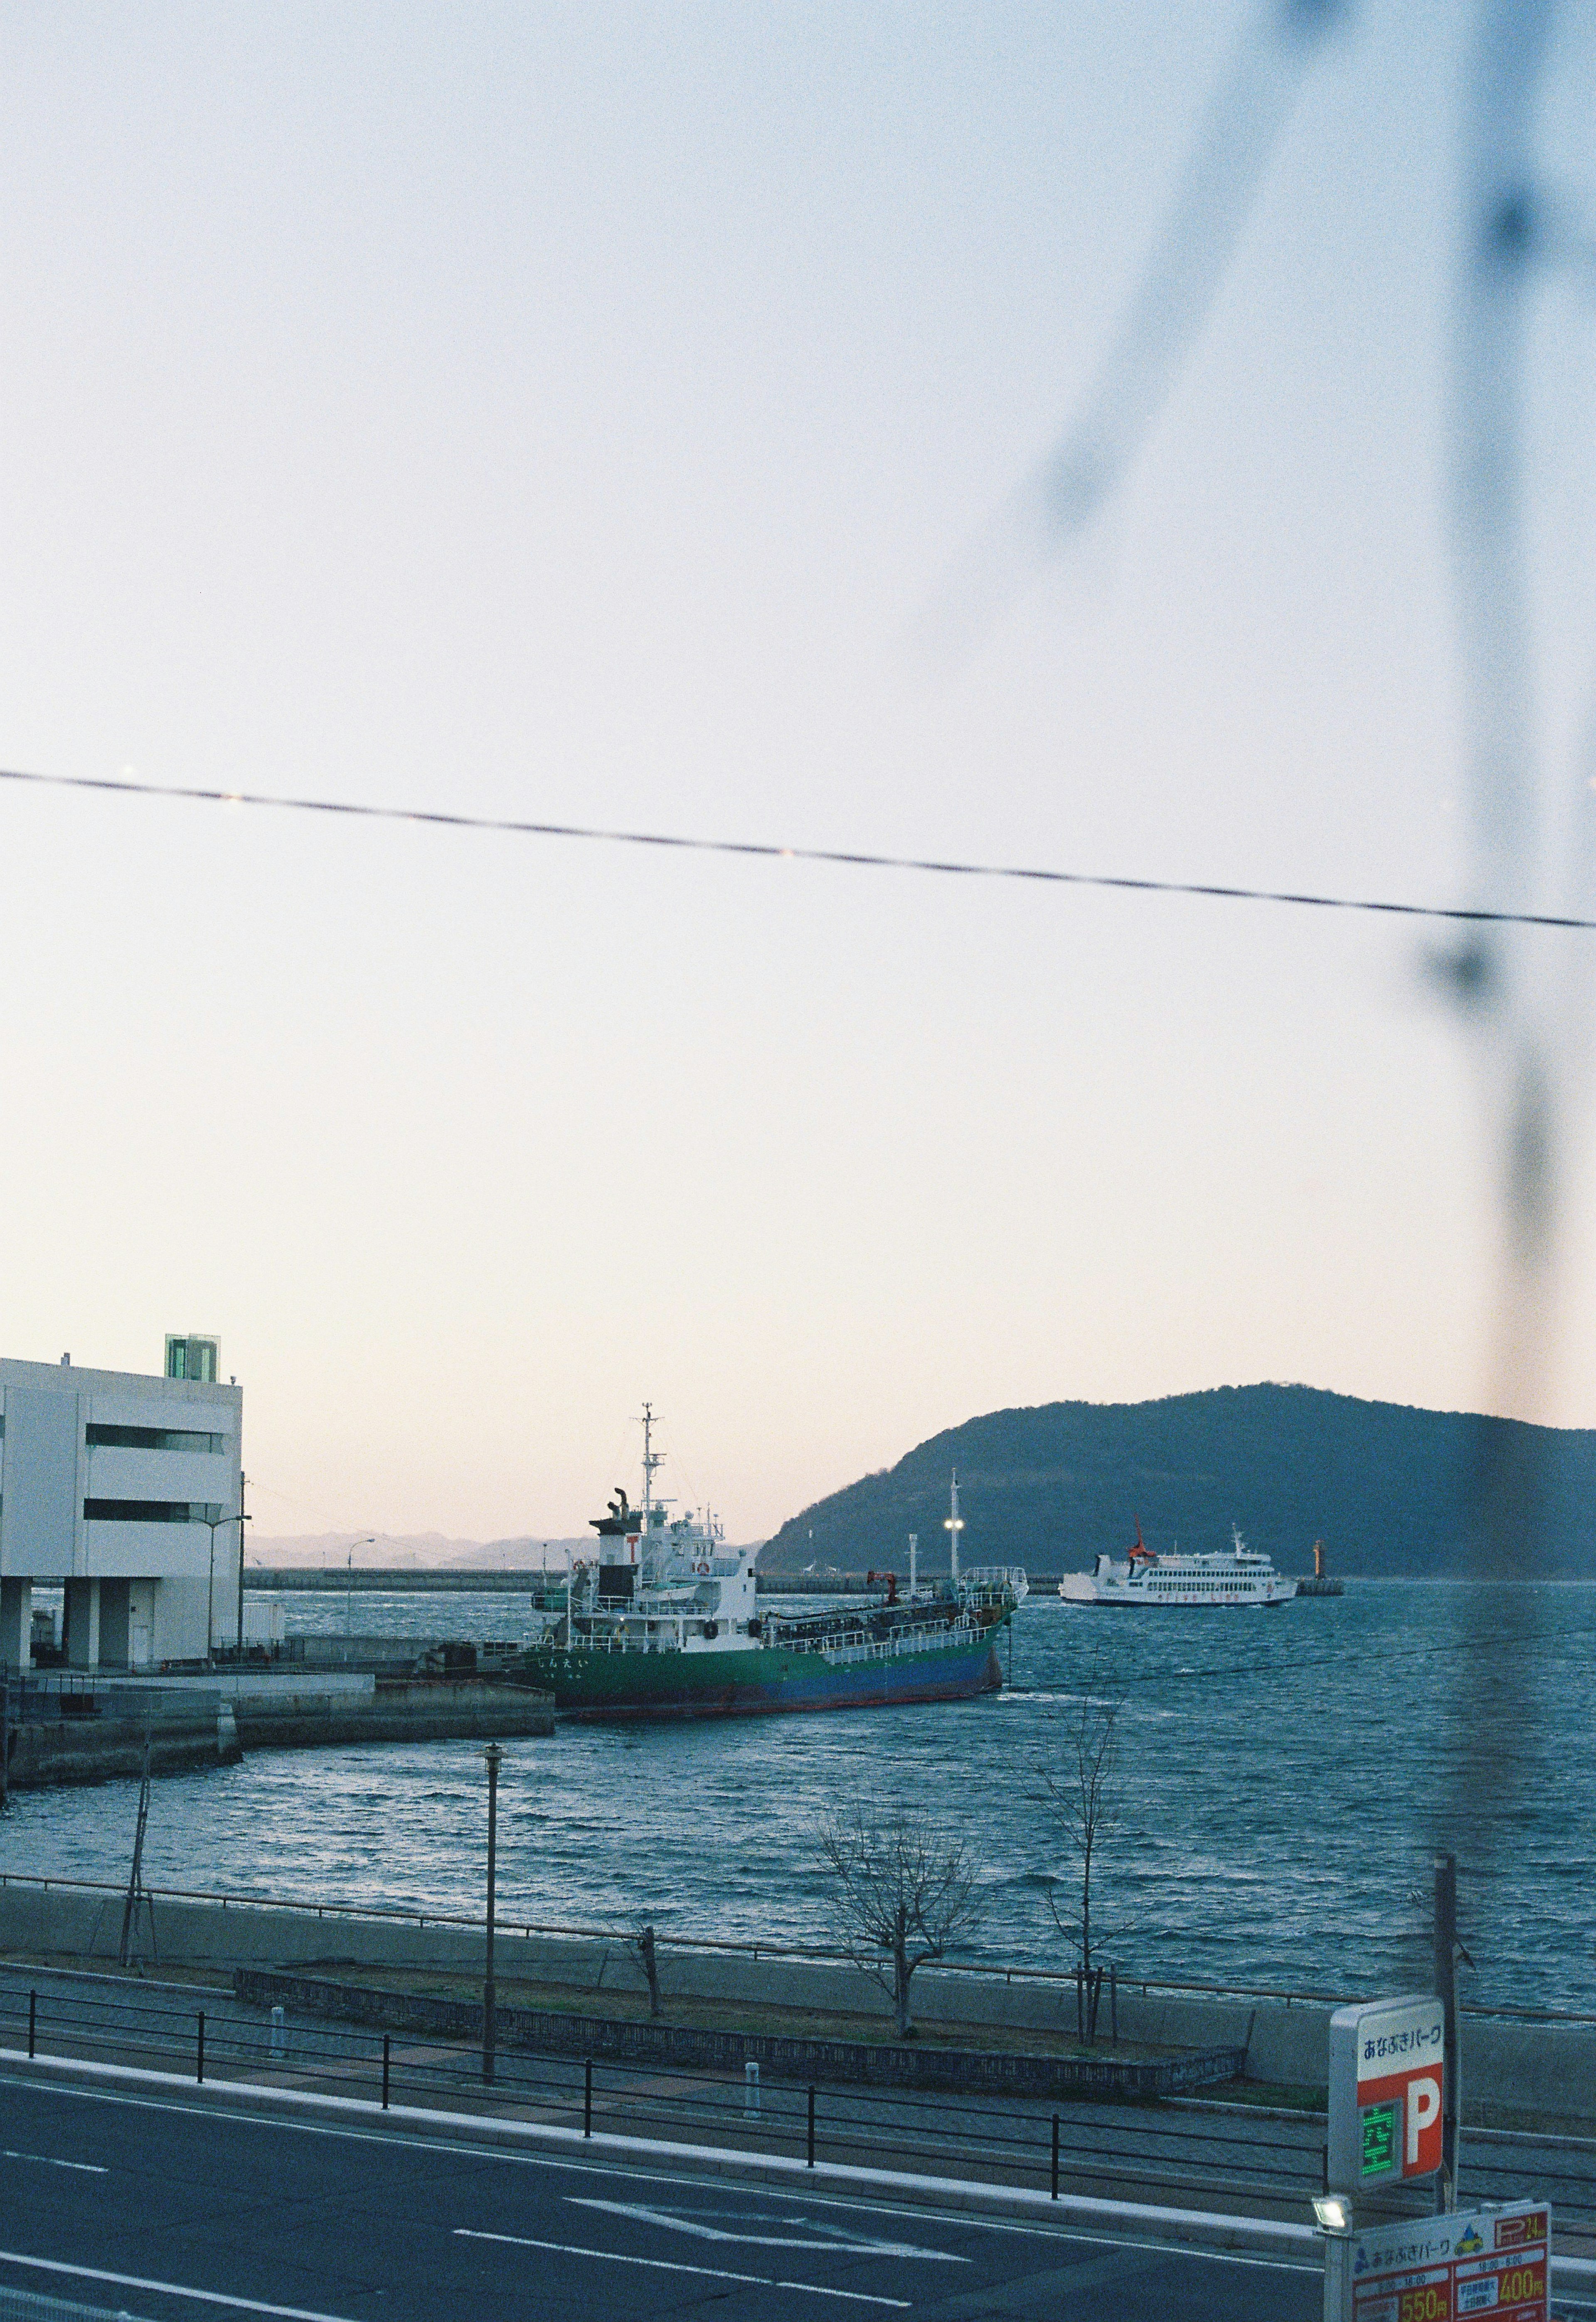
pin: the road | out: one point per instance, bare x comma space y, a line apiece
164, 2205
1187, 2154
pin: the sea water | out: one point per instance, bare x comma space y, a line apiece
1282, 1779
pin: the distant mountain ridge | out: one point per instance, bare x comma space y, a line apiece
1392, 1490
408, 1551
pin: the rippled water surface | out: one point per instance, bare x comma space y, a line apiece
1283, 1779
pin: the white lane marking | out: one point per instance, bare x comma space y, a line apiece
168, 2288
849, 2245
673, 2265
1135, 2214
974, 2220
49, 2161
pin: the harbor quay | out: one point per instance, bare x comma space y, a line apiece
93, 1730
1518, 2066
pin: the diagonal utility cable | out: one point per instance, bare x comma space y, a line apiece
766, 850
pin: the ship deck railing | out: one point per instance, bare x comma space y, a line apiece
998, 1580
855, 1646
852, 1645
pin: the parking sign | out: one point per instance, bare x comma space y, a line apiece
1491, 2262
1387, 2085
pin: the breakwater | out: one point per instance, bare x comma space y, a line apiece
524, 1580
398, 1579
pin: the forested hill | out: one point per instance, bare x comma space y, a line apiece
1390, 1490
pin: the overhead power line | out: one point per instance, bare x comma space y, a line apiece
848, 858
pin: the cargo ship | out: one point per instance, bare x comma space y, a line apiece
663, 1622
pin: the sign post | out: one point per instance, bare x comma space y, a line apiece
1493, 2260
1388, 2074
1392, 2101
1446, 1985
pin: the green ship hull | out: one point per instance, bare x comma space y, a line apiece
591, 1682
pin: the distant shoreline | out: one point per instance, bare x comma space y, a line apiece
317, 1580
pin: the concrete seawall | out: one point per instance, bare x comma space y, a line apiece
428, 1709
99, 1749
211, 1721
1543, 2067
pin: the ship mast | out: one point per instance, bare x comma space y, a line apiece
954, 1524
650, 1461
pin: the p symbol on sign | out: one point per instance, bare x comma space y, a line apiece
1423, 2110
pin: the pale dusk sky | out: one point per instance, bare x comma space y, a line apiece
572, 414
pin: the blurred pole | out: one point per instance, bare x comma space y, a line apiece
494, 1757
1499, 982
1446, 1991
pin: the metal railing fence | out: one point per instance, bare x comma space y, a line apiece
1189, 2154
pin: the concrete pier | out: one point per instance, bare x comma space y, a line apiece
401, 1579
216, 1718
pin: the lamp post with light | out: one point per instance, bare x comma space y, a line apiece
954, 1524
349, 1594
493, 1757
1336, 2223
213, 1525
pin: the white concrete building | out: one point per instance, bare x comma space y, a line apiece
127, 1490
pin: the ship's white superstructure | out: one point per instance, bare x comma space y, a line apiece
1240, 1576
663, 1621
659, 1583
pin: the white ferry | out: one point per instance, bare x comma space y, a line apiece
1241, 1576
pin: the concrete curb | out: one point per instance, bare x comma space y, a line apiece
1209, 2229
1201, 2228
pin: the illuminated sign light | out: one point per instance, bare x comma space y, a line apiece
1378, 2130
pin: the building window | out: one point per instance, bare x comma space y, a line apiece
192, 1358
152, 1438
151, 1512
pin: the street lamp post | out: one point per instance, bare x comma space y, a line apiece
349, 1594
243, 1521
213, 1525
493, 1756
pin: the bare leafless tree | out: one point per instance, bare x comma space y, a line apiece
1078, 1772
908, 1892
